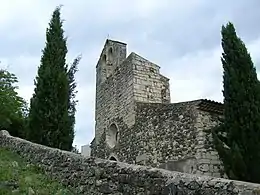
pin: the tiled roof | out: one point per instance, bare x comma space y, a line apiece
201, 104
210, 106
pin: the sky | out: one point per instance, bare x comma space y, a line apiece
181, 36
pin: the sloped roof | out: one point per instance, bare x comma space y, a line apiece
210, 106
200, 104
114, 41
135, 55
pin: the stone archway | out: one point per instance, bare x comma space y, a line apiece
112, 135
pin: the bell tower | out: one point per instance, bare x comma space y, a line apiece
121, 83
112, 55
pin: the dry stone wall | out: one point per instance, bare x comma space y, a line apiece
92, 176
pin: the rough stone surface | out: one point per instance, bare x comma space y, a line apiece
120, 82
137, 124
93, 176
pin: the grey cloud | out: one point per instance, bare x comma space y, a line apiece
183, 31
13, 45
200, 29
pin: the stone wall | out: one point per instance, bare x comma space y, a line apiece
122, 149
208, 162
171, 136
114, 98
113, 54
149, 85
164, 132
175, 137
120, 83
90, 176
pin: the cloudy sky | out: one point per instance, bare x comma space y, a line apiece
182, 36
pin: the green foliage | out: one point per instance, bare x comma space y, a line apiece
75, 149
18, 177
13, 108
51, 116
71, 71
238, 137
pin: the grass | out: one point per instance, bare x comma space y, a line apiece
19, 177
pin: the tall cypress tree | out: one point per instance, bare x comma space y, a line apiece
49, 122
240, 149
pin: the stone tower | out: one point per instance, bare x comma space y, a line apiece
120, 82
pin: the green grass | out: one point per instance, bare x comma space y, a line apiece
19, 177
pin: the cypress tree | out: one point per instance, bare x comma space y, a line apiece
49, 121
240, 145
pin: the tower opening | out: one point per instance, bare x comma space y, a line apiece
104, 59
110, 51
110, 57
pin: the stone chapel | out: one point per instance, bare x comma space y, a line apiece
136, 123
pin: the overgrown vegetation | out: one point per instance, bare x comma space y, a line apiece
13, 108
238, 137
18, 177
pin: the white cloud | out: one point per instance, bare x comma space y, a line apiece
196, 75
254, 48
199, 74
26, 92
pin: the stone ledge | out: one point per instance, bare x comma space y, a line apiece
87, 175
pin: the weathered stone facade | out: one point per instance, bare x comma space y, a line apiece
120, 82
137, 124
93, 176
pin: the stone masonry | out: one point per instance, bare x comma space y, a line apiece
93, 176
121, 81
136, 123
